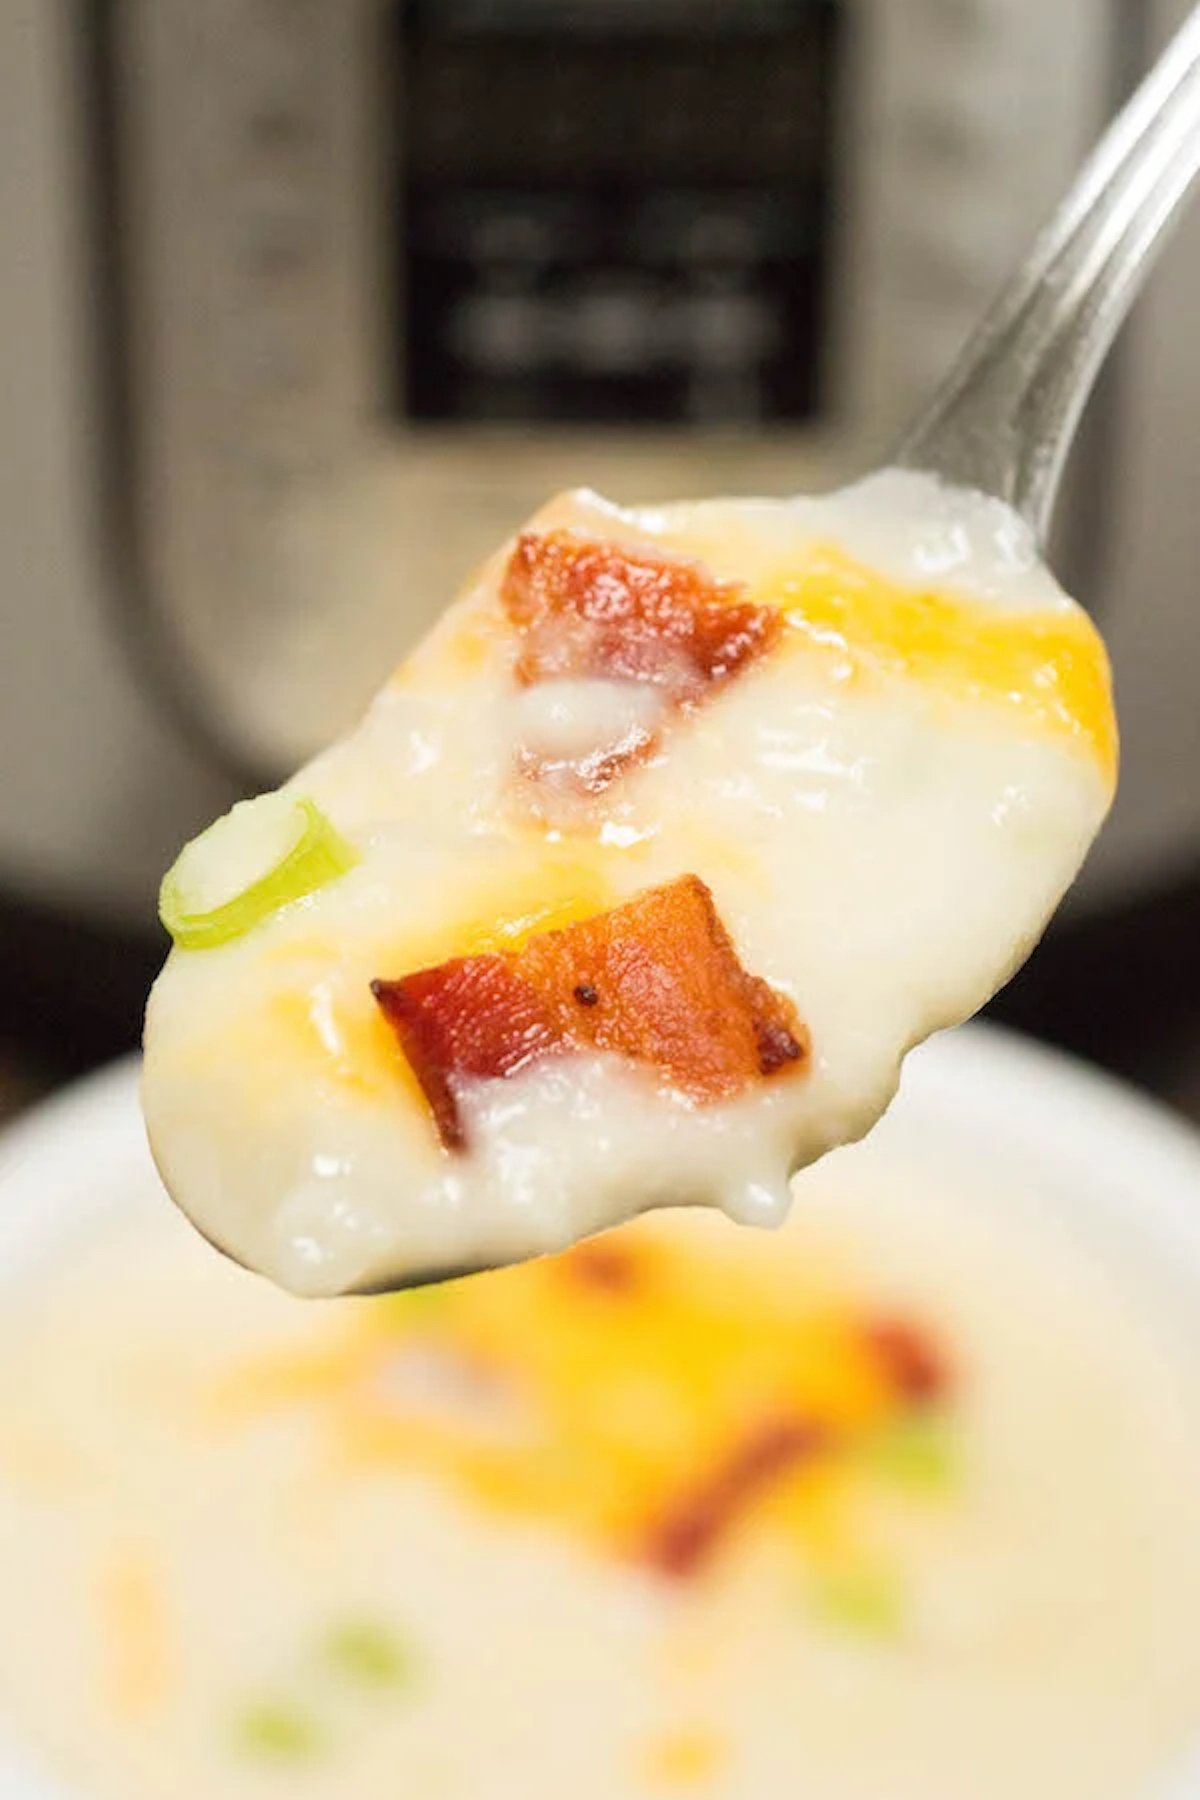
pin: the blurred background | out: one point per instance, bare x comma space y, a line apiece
304, 305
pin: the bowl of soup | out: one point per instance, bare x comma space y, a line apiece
898, 1500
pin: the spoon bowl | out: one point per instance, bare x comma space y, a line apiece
1003, 421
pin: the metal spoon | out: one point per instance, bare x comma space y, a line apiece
1004, 419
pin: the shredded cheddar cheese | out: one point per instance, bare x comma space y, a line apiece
613, 1390
684, 1760
1050, 668
134, 1619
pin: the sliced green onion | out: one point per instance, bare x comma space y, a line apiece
916, 1452
261, 855
865, 1602
275, 1731
368, 1653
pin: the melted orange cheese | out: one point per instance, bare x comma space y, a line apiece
304, 1020
1049, 667
598, 1392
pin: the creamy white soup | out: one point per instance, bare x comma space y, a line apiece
900, 1502
633, 886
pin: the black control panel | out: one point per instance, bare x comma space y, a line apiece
613, 210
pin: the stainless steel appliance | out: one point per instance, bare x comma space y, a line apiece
390, 273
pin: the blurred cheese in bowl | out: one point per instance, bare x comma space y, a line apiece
899, 1502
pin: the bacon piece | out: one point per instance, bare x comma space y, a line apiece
690, 1532
656, 980
472, 1016
590, 608
910, 1360
607, 1268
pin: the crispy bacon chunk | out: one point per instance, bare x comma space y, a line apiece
591, 609
656, 980
910, 1359
690, 1532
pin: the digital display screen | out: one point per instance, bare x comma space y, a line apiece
613, 210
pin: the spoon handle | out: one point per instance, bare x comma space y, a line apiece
1004, 418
